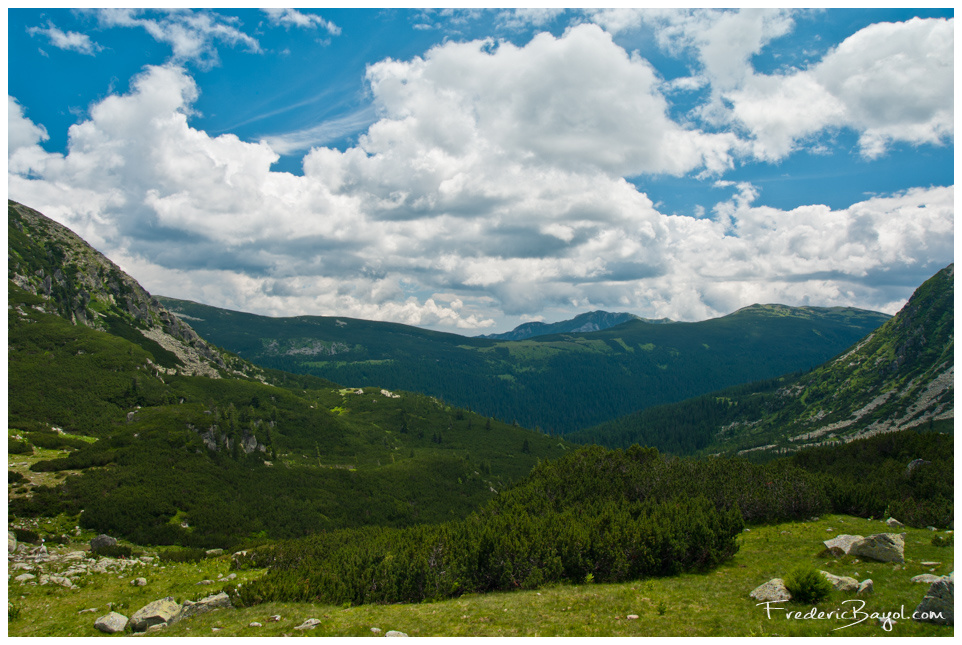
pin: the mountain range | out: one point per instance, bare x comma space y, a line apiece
170, 439
586, 322
899, 376
559, 382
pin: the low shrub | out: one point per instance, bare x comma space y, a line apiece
14, 477
807, 585
183, 555
939, 540
15, 447
27, 535
115, 551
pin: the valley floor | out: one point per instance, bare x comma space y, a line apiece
715, 603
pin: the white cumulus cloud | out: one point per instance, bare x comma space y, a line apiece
492, 184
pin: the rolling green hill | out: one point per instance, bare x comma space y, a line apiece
153, 434
899, 376
558, 383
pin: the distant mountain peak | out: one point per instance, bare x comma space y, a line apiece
590, 321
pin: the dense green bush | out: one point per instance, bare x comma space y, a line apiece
14, 477
15, 447
26, 535
499, 550
115, 551
183, 555
807, 585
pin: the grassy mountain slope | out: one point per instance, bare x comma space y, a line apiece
899, 376
162, 438
560, 382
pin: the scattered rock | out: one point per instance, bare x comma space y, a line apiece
375, 630
842, 544
255, 625
632, 616
102, 541
213, 553
87, 611
771, 591
112, 623
206, 582
138, 582
157, 627
884, 547
25, 577
914, 465
310, 623
841, 583
394, 633
926, 578
210, 603
931, 564
894, 523
274, 619
866, 587
165, 610
938, 604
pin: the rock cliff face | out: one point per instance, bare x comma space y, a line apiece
83, 286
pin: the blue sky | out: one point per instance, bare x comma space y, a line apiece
471, 170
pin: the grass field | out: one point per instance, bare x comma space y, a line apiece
714, 603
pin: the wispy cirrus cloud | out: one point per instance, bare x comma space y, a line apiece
324, 133
294, 18
66, 40
192, 35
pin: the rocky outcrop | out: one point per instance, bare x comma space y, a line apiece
112, 623
772, 591
83, 286
210, 603
938, 605
165, 610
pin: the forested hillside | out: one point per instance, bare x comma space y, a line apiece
156, 436
900, 376
599, 515
557, 383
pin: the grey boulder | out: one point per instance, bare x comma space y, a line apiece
165, 610
883, 547
112, 623
102, 541
842, 544
938, 604
841, 583
210, 603
772, 591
